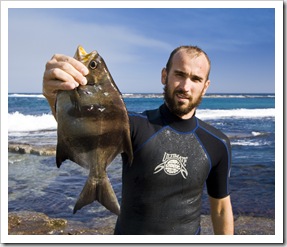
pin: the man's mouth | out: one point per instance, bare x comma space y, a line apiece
183, 96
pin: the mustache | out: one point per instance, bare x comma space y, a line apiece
182, 94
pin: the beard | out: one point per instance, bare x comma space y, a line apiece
180, 108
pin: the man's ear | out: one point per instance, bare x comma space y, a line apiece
206, 85
163, 76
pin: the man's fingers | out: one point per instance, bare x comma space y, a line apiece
60, 76
62, 73
69, 65
72, 61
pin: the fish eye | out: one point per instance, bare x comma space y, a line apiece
93, 64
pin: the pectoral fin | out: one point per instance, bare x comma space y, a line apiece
61, 155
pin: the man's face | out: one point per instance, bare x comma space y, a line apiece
186, 83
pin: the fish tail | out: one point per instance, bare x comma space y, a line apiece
87, 195
107, 197
101, 191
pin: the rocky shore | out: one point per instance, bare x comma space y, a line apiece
24, 148
37, 223
34, 223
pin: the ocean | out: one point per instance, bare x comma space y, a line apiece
36, 184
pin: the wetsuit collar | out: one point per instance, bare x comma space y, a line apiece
177, 123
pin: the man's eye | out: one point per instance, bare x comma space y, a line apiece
181, 75
196, 79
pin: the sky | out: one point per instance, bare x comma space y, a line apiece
136, 42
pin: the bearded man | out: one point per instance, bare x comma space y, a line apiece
175, 153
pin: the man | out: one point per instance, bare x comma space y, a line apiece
175, 153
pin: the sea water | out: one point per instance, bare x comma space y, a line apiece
36, 184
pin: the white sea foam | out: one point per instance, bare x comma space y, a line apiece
255, 133
236, 113
239, 96
158, 95
15, 95
249, 143
18, 122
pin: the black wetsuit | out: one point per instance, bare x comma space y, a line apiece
173, 158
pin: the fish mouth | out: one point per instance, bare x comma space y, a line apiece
79, 99
89, 89
90, 81
84, 91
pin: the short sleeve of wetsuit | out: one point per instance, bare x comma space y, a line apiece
217, 146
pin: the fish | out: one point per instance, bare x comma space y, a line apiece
92, 129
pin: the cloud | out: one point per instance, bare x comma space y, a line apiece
34, 36
135, 43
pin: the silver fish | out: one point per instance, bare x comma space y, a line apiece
93, 128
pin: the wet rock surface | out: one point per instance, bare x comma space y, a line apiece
34, 223
23, 148
243, 225
247, 225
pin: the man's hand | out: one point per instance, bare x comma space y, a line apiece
62, 73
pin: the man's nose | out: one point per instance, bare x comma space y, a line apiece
186, 85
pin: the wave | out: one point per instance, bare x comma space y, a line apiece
236, 113
250, 143
143, 95
239, 96
256, 133
18, 122
20, 95
247, 135
159, 95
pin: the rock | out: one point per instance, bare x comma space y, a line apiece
23, 148
206, 225
20, 148
34, 223
247, 225
243, 225
31, 223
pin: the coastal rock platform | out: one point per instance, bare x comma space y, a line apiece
35, 223
24, 148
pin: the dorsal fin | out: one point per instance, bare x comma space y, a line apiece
82, 56
80, 53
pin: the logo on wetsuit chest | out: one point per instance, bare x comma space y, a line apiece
172, 164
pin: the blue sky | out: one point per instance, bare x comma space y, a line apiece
136, 43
